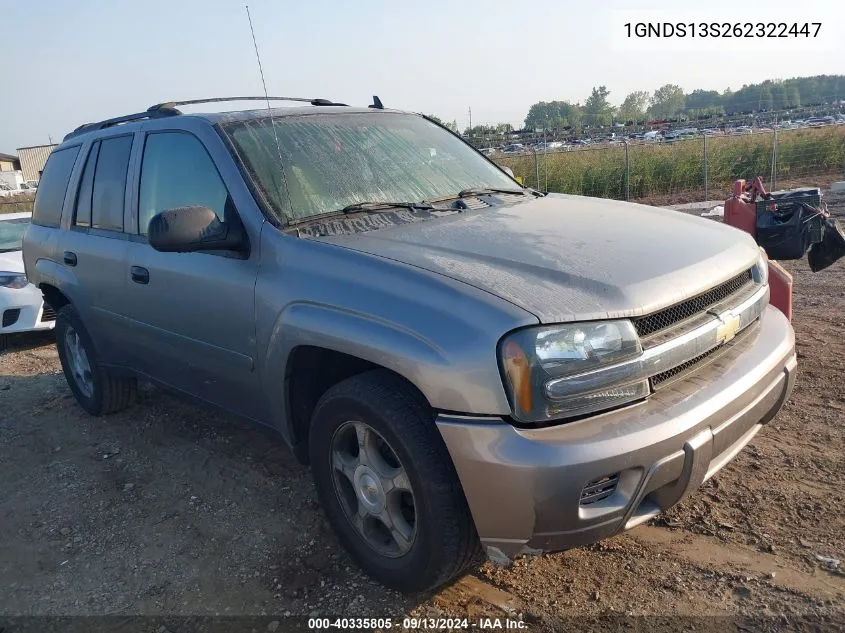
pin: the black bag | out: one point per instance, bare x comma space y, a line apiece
785, 233
830, 249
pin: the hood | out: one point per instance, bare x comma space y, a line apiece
568, 258
12, 262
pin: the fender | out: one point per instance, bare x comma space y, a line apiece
361, 335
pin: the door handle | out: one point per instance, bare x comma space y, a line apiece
70, 258
140, 275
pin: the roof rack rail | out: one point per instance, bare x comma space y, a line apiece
314, 102
138, 116
168, 108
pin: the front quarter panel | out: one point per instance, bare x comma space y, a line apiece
438, 333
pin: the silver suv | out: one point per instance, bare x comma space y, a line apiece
468, 365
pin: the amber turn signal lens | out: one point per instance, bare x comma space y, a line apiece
518, 372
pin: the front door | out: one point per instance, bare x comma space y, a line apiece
194, 312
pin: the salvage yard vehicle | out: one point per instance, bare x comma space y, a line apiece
468, 365
22, 307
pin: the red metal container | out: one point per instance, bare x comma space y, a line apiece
780, 288
741, 210
741, 213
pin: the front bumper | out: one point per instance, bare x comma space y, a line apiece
26, 310
524, 486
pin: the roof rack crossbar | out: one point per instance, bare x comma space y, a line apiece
138, 116
315, 101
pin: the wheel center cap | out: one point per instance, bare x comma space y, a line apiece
369, 489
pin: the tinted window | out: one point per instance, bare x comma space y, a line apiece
82, 217
177, 172
110, 183
53, 186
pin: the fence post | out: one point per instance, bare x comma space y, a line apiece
774, 157
705, 167
537, 168
627, 173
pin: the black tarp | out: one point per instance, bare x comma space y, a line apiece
786, 232
830, 249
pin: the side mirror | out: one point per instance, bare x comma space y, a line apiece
507, 170
191, 229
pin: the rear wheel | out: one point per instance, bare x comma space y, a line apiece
388, 485
97, 390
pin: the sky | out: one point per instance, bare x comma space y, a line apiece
69, 62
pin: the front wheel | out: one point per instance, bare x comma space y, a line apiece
388, 485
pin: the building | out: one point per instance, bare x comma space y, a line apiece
32, 160
8, 162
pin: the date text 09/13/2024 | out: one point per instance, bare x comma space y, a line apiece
721, 29
441, 624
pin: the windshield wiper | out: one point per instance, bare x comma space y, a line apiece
466, 193
383, 206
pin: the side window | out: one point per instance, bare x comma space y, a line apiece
110, 183
53, 186
177, 172
82, 216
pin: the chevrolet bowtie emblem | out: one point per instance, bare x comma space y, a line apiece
728, 329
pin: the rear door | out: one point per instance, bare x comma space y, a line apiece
94, 246
194, 312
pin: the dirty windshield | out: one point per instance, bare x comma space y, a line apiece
330, 161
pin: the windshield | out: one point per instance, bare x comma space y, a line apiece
11, 234
330, 161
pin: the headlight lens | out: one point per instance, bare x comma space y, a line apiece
761, 268
13, 280
533, 360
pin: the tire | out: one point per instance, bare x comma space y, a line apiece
104, 392
444, 541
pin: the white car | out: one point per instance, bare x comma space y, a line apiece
22, 307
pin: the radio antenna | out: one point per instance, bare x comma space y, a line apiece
267, 97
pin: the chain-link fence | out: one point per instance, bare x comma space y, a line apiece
699, 168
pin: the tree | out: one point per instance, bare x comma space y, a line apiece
504, 128
667, 102
435, 118
779, 96
552, 114
634, 106
793, 96
597, 108
703, 100
767, 100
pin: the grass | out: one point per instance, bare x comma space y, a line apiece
673, 168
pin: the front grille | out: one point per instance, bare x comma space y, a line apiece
690, 307
10, 317
599, 489
48, 314
676, 372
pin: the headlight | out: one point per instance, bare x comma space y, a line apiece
557, 371
13, 280
761, 268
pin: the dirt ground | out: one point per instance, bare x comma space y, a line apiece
169, 509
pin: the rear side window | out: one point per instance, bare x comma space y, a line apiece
110, 183
53, 186
82, 217
177, 172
